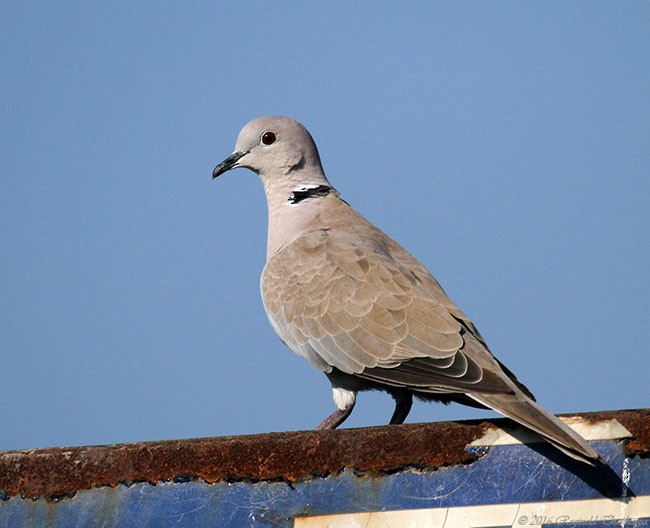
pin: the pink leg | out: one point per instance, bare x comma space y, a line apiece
335, 419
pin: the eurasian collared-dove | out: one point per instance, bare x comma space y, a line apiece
359, 307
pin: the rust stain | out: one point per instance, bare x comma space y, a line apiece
289, 456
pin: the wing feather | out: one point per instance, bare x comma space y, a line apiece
365, 306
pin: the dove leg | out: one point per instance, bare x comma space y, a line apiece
344, 400
335, 419
403, 403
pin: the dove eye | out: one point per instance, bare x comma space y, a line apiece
268, 138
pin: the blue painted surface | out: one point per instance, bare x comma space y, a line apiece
506, 474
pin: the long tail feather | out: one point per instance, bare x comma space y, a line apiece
525, 411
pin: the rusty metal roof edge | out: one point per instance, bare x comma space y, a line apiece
287, 456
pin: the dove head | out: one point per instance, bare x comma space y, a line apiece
276, 148
282, 152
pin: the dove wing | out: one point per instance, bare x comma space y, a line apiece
349, 297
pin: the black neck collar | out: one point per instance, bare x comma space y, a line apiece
304, 193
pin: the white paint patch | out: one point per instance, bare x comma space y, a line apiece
589, 430
561, 513
343, 399
625, 478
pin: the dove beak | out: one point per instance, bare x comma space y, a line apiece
231, 162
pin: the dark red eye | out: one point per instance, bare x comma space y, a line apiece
268, 138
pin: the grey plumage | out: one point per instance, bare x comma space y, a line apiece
357, 306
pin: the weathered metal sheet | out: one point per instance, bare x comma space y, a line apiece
272, 480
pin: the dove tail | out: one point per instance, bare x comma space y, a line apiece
528, 413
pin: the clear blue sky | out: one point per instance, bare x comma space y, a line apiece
507, 145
